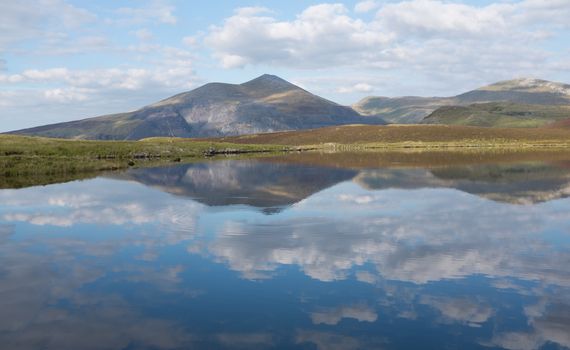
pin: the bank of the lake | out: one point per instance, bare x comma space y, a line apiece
27, 160
412, 136
23, 157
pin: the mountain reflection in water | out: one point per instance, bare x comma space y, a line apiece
354, 256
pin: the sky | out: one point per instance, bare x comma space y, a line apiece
67, 60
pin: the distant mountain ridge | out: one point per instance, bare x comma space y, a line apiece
269, 104
265, 104
412, 109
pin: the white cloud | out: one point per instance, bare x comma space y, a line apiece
39, 19
426, 18
419, 40
156, 11
65, 95
41, 96
321, 33
366, 6
143, 34
358, 87
178, 74
189, 40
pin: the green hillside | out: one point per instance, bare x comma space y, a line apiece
499, 114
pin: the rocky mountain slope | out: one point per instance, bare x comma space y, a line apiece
265, 104
409, 110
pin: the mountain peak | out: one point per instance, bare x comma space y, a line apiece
268, 78
529, 85
268, 81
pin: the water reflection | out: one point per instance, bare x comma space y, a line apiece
355, 257
266, 184
246, 182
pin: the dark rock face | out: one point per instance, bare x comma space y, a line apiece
265, 104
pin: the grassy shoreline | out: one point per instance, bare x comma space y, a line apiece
23, 156
412, 136
28, 156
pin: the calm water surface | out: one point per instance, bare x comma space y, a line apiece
260, 254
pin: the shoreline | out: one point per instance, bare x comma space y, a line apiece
28, 156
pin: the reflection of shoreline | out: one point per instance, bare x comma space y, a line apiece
421, 158
525, 183
246, 182
274, 184
364, 159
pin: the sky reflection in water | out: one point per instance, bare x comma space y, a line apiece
259, 254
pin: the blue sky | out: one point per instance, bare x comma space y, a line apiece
66, 60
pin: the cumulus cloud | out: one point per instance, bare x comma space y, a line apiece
66, 95
426, 18
366, 6
358, 87
449, 41
109, 78
325, 31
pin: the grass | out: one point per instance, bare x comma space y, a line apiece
354, 137
25, 156
499, 114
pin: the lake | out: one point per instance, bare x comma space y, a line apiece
301, 252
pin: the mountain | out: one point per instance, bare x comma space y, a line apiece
265, 104
525, 90
500, 114
409, 110
400, 110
